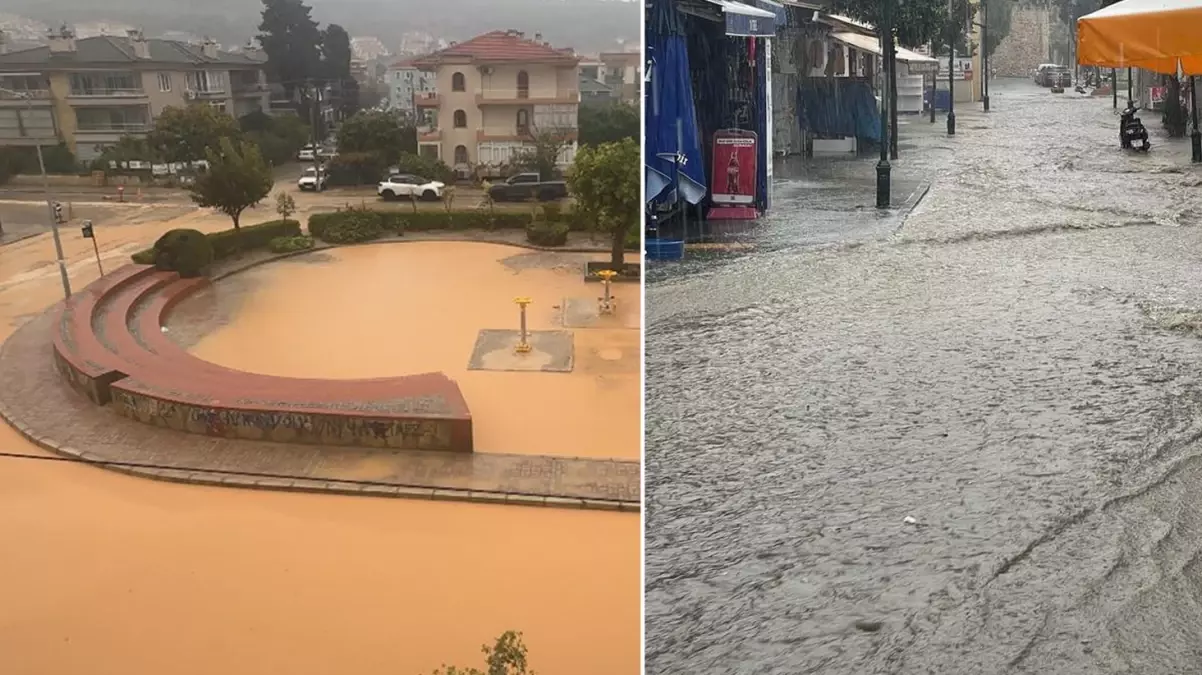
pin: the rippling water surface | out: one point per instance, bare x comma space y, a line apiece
974, 433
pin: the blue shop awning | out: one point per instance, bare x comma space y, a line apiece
743, 20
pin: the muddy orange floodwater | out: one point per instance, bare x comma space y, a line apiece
102, 573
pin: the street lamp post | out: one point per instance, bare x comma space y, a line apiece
58, 242
1196, 137
882, 166
951, 68
985, 54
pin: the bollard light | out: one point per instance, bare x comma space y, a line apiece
607, 302
523, 345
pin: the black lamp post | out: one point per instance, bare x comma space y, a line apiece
951, 68
1196, 137
984, 54
882, 166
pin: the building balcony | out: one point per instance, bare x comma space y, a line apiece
251, 89
206, 94
527, 97
114, 128
105, 96
25, 98
426, 99
512, 134
429, 136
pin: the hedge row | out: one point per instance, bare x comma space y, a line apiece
402, 221
228, 242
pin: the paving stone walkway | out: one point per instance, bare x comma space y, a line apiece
35, 400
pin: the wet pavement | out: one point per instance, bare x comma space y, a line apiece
966, 441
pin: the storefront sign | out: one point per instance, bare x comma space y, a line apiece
734, 167
963, 69
1157, 95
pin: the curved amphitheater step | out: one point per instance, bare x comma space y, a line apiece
109, 346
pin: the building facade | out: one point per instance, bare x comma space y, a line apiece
492, 96
89, 92
406, 83
622, 73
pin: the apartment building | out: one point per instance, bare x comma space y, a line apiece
622, 73
405, 82
89, 92
492, 94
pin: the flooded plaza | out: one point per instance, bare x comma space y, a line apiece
106, 573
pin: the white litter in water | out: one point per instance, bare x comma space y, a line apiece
164, 329
910, 520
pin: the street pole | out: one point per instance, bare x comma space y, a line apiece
951, 68
985, 54
1196, 136
1114, 88
892, 96
882, 165
1129, 98
934, 84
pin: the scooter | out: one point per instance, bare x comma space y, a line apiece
1131, 129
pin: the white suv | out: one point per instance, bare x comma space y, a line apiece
408, 186
312, 180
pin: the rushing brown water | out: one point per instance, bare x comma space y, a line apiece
103, 573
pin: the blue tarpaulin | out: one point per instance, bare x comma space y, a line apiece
839, 107
671, 118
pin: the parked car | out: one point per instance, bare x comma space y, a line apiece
524, 186
1053, 75
409, 186
307, 153
312, 180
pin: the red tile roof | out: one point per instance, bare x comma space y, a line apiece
496, 47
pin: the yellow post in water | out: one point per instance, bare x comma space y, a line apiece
607, 303
523, 345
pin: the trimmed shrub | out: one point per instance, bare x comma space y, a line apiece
552, 212
185, 251
144, 257
290, 244
543, 233
353, 227
474, 219
228, 242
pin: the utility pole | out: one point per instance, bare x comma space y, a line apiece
934, 82
985, 54
58, 242
882, 166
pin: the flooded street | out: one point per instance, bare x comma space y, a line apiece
968, 443
106, 574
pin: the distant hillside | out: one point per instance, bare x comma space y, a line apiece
586, 25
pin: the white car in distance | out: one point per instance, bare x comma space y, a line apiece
306, 154
312, 180
409, 186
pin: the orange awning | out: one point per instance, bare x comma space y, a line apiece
1149, 34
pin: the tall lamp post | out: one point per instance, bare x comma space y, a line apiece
58, 242
1196, 137
984, 26
951, 67
882, 165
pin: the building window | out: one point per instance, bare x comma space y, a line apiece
164, 81
461, 154
458, 83
523, 121
523, 84
460, 119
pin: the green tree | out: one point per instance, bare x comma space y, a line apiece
278, 136
237, 178
605, 182
336, 67
542, 152
376, 132
186, 134
608, 123
292, 42
505, 657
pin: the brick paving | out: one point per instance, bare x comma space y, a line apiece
44, 408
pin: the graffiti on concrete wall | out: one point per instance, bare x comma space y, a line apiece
285, 425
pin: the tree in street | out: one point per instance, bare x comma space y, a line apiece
377, 132
507, 656
292, 42
336, 67
605, 182
608, 123
237, 178
542, 151
186, 134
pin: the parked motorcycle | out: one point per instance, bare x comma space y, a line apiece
1131, 129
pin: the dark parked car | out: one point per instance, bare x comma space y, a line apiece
525, 186
1052, 75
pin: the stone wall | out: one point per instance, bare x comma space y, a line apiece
1026, 46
